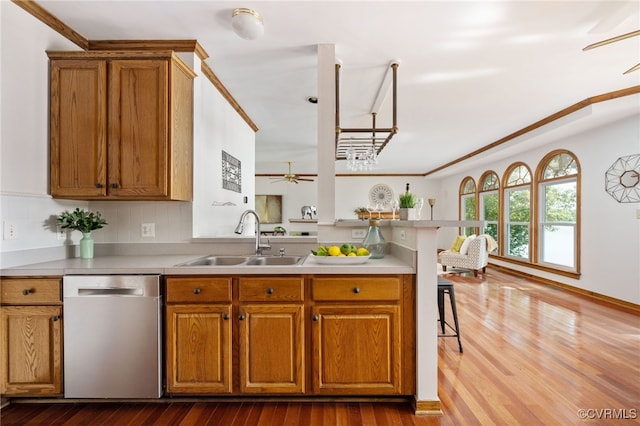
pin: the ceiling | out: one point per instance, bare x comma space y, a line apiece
471, 72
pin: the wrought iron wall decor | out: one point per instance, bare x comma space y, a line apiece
231, 173
623, 179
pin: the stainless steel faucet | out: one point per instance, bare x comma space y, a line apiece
259, 247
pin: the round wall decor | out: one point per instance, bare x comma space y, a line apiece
381, 194
623, 179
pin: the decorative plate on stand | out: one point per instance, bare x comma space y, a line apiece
381, 194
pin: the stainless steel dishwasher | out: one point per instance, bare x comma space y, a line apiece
112, 336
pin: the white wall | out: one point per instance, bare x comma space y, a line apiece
218, 127
24, 140
610, 231
350, 192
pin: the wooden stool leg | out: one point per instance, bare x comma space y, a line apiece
454, 310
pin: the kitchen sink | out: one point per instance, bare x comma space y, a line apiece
216, 261
274, 260
241, 260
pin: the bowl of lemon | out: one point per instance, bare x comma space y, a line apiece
344, 254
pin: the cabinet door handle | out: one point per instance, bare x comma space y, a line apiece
55, 318
196, 291
98, 185
315, 318
27, 291
241, 317
114, 185
225, 316
356, 290
269, 290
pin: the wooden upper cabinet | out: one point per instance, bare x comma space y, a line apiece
121, 126
78, 128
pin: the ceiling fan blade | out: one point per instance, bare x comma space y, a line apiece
306, 180
612, 40
632, 69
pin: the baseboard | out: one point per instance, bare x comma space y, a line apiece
429, 408
611, 302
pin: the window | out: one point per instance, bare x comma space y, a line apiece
517, 214
558, 210
489, 203
468, 203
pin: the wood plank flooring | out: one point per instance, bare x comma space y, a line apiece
533, 355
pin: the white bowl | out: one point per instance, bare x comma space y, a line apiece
340, 260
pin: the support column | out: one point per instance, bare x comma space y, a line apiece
326, 136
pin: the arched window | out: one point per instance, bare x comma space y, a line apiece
557, 178
517, 212
489, 197
468, 203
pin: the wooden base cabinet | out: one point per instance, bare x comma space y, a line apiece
121, 126
271, 335
198, 336
290, 335
357, 340
31, 336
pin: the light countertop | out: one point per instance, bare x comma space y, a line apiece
166, 265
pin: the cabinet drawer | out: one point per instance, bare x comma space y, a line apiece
356, 288
31, 291
283, 289
198, 290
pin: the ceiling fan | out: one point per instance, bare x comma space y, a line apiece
291, 178
613, 40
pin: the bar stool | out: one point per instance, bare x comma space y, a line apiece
446, 287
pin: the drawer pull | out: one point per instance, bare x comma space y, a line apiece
27, 291
356, 290
241, 317
55, 318
196, 291
114, 185
315, 318
269, 290
98, 185
225, 316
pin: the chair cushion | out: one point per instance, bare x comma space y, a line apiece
464, 248
457, 243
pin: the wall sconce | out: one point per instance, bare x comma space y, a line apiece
247, 23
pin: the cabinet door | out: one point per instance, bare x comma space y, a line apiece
198, 349
78, 128
31, 354
356, 349
138, 133
272, 348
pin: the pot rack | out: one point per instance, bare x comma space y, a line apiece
357, 138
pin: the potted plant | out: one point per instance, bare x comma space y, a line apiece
85, 222
361, 212
407, 203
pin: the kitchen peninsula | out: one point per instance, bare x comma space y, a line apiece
350, 330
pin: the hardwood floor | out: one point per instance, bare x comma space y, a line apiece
533, 354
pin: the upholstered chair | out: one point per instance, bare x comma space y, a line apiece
476, 257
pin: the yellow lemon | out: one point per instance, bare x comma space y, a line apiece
362, 252
334, 251
351, 254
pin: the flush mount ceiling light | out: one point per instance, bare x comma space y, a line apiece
247, 23
354, 144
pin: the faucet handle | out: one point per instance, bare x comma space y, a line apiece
282, 253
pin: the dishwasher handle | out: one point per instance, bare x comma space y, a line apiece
111, 291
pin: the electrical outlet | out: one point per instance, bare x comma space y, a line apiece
62, 233
148, 230
9, 231
402, 234
358, 233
